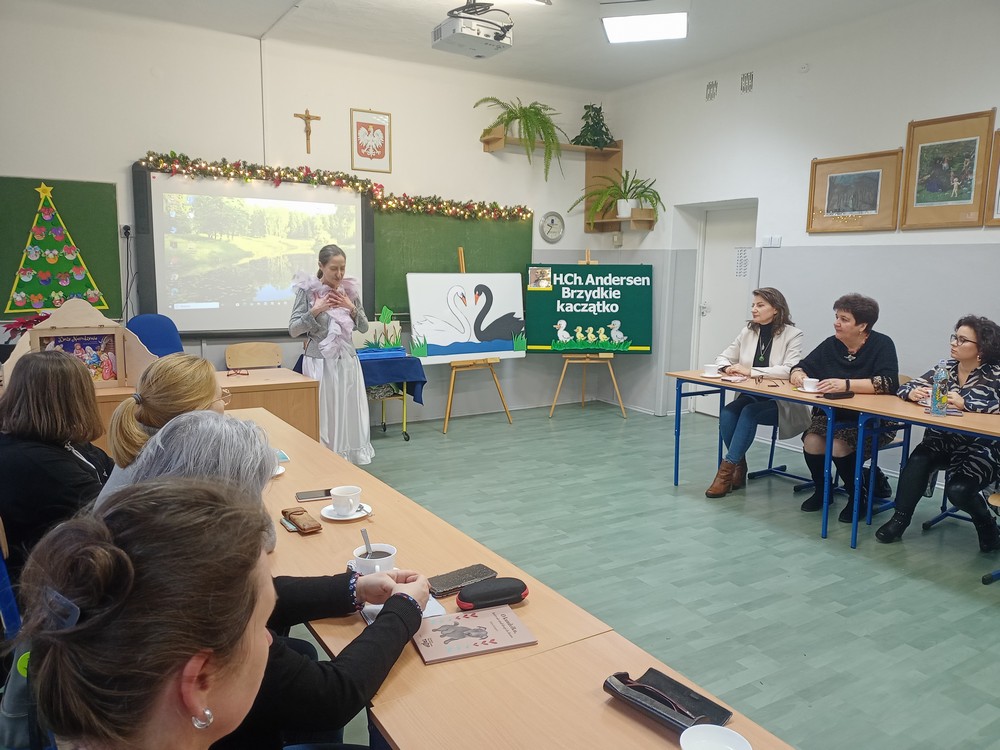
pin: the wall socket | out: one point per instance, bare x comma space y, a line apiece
771, 241
124, 231
617, 240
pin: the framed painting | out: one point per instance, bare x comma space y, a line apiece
100, 350
857, 193
993, 193
946, 171
371, 141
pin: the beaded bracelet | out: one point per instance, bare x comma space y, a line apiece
352, 589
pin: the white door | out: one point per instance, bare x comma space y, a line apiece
725, 286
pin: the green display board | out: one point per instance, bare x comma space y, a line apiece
589, 308
58, 239
406, 243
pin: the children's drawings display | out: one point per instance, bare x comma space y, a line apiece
464, 316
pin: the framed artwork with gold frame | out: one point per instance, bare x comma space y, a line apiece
858, 193
993, 193
371, 140
946, 171
100, 349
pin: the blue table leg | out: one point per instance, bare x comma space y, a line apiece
722, 403
827, 477
677, 431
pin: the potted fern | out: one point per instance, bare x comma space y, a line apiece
534, 123
627, 190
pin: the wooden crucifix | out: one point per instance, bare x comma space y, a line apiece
308, 118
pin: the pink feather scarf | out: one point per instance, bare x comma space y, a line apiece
337, 342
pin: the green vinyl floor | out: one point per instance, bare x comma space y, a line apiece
885, 646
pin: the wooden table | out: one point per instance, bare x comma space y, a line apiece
547, 694
289, 395
554, 699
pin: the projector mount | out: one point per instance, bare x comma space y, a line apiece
473, 11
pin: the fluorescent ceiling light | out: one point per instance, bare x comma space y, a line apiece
621, 29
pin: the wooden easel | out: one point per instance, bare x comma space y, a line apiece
472, 364
588, 359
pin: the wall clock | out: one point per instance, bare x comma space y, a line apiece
552, 226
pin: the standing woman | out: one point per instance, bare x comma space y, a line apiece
769, 345
49, 469
972, 463
327, 310
855, 358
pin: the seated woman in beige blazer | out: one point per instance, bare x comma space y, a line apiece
769, 346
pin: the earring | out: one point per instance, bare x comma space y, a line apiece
206, 721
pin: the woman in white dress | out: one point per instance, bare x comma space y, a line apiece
327, 309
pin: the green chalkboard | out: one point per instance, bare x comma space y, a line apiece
407, 243
88, 214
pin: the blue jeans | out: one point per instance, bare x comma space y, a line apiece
738, 423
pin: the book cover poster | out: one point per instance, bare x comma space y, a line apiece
589, 309
478, 631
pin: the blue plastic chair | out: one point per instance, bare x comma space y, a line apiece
9, 613
158, 333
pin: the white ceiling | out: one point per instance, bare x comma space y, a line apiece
560, 44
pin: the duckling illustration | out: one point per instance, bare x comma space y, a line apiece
561, 333
601, 335
591, 338
616, 335
579, 334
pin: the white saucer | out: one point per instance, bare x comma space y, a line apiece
279, 471
924, 402
712, 737
803, 390
362, 512
716, 375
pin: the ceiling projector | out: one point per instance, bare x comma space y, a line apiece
470, 37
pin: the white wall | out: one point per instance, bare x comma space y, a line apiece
103, 89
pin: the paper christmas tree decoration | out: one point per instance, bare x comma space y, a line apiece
52, 267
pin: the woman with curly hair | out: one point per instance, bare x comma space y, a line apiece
972, 463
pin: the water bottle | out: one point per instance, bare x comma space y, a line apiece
939, 389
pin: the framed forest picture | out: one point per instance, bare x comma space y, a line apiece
946, 171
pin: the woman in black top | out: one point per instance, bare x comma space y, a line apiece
48, 416
855, 358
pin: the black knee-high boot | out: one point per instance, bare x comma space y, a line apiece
909, 490
963, 493
815, 501
845, 467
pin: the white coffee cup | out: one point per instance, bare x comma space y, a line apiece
810, 384
711, 369
384, 561
345, 500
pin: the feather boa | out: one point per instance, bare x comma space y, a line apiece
337, 342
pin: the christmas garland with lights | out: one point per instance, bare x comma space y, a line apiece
183, 165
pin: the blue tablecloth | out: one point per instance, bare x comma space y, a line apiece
396, 370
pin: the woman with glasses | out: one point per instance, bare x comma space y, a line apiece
767, 346
972, 463
172, 385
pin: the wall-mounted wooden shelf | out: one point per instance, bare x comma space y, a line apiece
497, 140
641, 221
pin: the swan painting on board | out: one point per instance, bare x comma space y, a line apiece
450, 325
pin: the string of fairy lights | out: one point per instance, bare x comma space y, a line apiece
177, 164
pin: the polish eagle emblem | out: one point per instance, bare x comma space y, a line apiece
371, 140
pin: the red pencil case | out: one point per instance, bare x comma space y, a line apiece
492, 593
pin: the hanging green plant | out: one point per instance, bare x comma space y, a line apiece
628, 187
594, 131
534, 124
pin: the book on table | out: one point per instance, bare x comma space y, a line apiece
478, 631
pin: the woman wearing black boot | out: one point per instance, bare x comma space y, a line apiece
972, 463
855, 358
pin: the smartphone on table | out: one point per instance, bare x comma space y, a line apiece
309, 495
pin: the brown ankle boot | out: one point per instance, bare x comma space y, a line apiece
722, 485
740, 475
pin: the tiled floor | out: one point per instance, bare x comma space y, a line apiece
885, 646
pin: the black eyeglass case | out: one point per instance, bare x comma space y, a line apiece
643, 697
492, 593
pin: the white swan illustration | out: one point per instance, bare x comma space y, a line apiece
440, 332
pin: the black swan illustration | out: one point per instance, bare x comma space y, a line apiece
505, 327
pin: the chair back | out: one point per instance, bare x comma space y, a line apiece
9, 613
253, 354
158, 333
